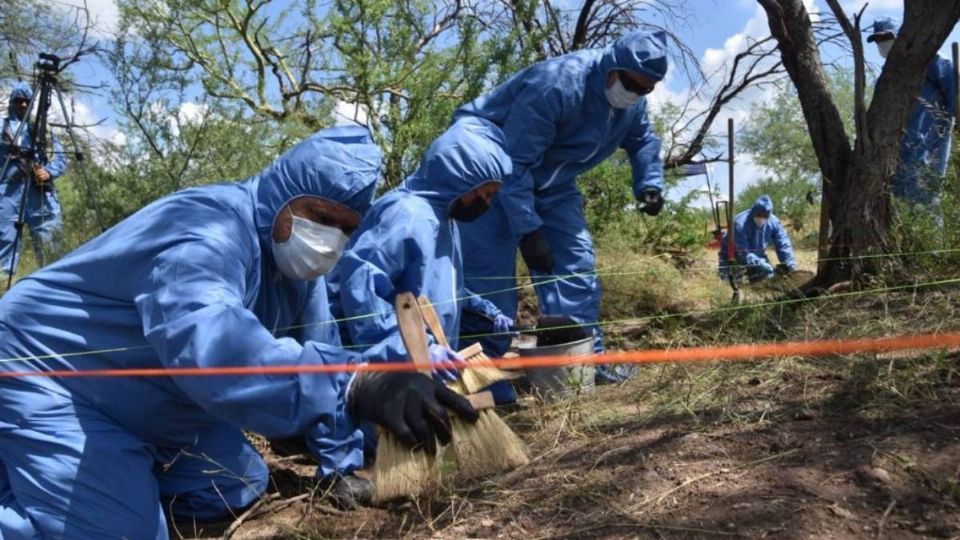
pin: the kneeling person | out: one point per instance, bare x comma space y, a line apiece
754, 230
217, 276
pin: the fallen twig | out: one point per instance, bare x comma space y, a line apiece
262, 501
883, 519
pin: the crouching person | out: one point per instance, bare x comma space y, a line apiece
218, 276
754, 230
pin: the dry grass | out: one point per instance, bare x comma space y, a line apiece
724, 449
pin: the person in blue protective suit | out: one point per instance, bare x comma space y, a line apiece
220, 275
755, 229
561, 117
925, 146
409, 242
42, 212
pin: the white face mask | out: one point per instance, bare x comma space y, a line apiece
619, 97
311, 251
884, 47
759, 222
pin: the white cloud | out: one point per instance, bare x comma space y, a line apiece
191, 113
104, 15
851, 6
349, 114
746, 173
86, 124
716, 63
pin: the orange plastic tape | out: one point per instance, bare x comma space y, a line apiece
694, 354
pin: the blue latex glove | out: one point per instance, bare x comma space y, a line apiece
502, 324
440, 355
768, 268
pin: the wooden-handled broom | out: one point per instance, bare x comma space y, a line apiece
483, 448
399, 471
488, 446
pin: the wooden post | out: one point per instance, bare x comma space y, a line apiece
731, 245
956, 80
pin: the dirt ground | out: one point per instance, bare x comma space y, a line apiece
863, 446
808, 464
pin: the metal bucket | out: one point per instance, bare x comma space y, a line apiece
562, 382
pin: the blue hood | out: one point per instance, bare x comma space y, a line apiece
469, 153
641, 52
20, 90
341, 164
881, 26
763, 203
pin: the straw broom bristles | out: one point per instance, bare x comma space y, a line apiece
402, 472
487, 446
481, 376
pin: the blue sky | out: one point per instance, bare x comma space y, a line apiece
716, 30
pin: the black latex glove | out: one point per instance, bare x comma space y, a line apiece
651, 200
536, 252
410, 405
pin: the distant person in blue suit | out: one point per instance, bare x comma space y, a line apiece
755, 229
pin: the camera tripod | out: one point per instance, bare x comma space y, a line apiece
46, 85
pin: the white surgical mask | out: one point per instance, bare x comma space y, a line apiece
311, 251
619, 97
884, 47
759, 222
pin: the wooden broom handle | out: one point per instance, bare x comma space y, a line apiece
411, 324
412, 332
433, 321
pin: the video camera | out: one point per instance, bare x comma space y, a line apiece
48, 64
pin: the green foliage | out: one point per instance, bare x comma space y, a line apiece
607, 192
950, 202
405, 65
790, 202
778, 140
125, 178
29, 27
932, 239
679, 227
213, 90
609, 203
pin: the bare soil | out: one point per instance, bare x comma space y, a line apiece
803, 471
849, 447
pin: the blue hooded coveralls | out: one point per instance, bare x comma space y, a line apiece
558, 124
42, 213
751, 242
187, 281
407, 243
925, 145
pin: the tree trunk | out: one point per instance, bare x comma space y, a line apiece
856, 178
859, 211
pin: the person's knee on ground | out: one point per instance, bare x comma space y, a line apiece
215, 479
